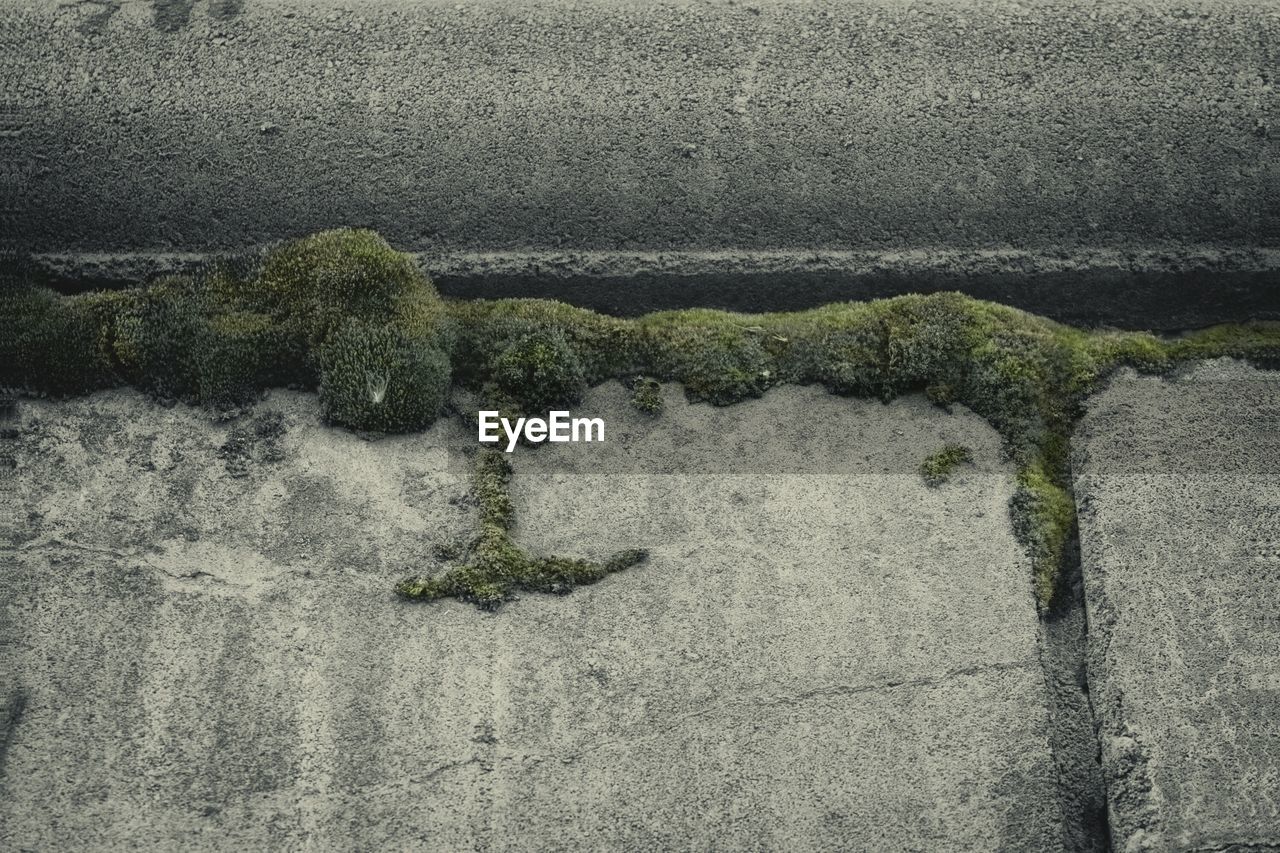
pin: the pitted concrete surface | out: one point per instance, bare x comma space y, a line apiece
1179, 491
650, 126
821, 653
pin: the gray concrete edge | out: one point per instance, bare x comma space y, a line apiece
1163, 288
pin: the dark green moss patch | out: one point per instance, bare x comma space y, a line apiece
646, 395
377, 377
538, 372
937, 467
494, 568
341, 310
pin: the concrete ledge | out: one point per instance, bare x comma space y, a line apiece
644, 127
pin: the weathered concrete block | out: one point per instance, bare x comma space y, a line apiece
1178, 484
821, 653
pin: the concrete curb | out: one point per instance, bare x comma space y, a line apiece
648, 128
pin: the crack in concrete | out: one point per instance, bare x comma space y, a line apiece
133, 557
15, 707
1074, 731
922, 681
755, 699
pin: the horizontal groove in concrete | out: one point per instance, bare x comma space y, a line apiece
1162, 288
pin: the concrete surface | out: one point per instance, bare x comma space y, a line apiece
544, 130
821, 653
1179, 491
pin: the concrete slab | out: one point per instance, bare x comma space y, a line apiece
821, 653
1179, 491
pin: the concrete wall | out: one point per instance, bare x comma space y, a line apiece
546, 128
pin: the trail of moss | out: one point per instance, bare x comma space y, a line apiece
1026, 375
494, 567
344, 313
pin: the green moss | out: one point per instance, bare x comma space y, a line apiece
157, 340
344, 309
1255, 342
720, 358
494, 568
237, 355
375, 377
58, 345
646, 395
1044, 518
343, 300
937, 467
539, 372
601, 347
322, 280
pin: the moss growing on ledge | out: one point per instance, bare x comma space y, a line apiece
937, 467
345, 311
494, 568
340, 309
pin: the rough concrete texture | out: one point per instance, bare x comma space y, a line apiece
821, 652
641, 126
1179, 491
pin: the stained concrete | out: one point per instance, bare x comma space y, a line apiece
203, 651
544, 128
1178, 484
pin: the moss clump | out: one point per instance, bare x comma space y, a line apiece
539, 372
158, 336
58, 345
937, 467
322, 280
604, 347
1044, 518
236, 355
646, 395
376, 377
718, 360
341, 303
494, 567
